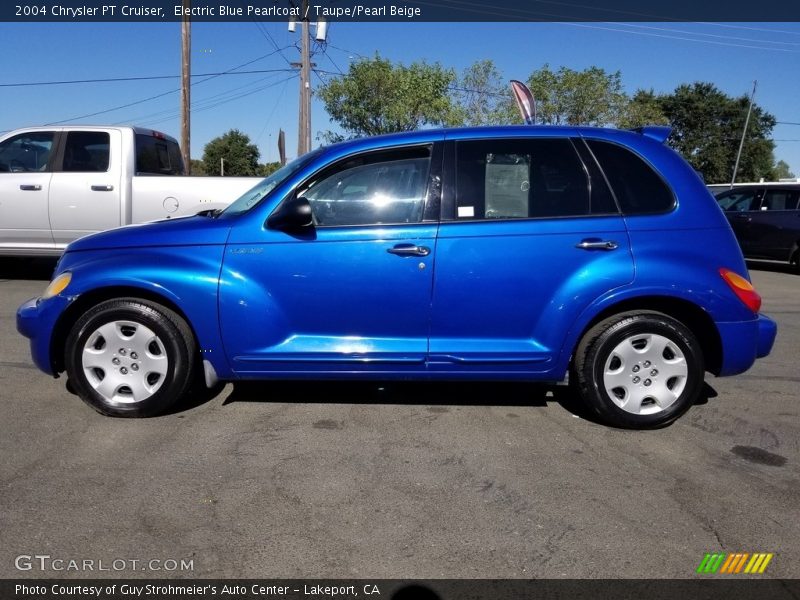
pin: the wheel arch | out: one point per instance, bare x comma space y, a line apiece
93, 297
688, 313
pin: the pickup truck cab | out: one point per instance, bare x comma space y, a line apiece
60, 183
522, 253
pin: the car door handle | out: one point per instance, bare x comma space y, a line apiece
409, 250
743, 217
593, 244
30, 188
102, 188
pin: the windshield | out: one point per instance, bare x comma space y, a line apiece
252, 197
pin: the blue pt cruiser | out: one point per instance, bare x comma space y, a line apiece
501, 253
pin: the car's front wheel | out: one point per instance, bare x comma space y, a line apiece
130, 357
639, 369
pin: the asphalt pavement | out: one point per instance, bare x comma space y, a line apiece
397, 480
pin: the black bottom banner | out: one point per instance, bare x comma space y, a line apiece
398, 589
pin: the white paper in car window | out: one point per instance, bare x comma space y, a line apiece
466, 212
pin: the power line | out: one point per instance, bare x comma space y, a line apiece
143, 100
143, 78
358, 54
221, 102
200, 103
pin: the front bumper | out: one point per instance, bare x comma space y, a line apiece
745, 341
36, 320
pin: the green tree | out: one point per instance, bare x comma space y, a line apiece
568, 97
377, 96
707, 126
781, 170
644, 108
268, 168
482, 97
241, 156
198, 167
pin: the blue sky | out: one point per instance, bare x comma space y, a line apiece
649, 55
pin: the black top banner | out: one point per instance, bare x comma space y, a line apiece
399, 11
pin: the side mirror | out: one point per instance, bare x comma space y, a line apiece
291, 215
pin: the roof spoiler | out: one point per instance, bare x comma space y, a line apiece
659, 133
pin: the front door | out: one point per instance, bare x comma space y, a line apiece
24, 188
352, 291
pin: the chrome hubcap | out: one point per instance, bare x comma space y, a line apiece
125, 362
645, 374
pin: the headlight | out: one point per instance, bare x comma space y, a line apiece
58, 285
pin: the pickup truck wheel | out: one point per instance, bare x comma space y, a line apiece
130, 357
639, 369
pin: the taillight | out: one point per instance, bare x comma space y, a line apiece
743, 289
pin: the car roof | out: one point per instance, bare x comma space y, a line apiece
633, 138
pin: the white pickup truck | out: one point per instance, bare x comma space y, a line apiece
60, 183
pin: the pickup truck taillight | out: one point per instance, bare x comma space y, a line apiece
743, 289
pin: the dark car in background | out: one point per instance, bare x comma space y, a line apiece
766, 219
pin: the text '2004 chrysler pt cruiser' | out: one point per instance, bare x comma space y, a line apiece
501, 253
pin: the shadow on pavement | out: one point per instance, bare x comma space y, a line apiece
410, 393
772, 266
504, 393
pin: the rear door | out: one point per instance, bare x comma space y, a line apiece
775, 228
85, 189
529, 237
25, 175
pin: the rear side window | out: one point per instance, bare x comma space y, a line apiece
157, 156
86, 152
518, 179
639, 189
780, 200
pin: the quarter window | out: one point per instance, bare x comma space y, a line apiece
639, 189
372, 189
86, 152
26, 152
518, 179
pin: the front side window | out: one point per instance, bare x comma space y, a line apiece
87, 152
639, 189
740, 200
519, 179
378, 188
26, 152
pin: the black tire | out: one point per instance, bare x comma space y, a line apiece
173, 340
599, 348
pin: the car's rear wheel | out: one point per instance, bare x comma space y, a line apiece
639, 369
130, 357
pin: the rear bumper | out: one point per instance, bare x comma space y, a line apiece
36, 320
745, 341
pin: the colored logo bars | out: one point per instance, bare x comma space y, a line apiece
735, 562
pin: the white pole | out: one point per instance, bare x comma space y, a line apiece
744, 131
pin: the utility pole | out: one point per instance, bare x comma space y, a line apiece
305, 65
186, 49
744, 132
304, 130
